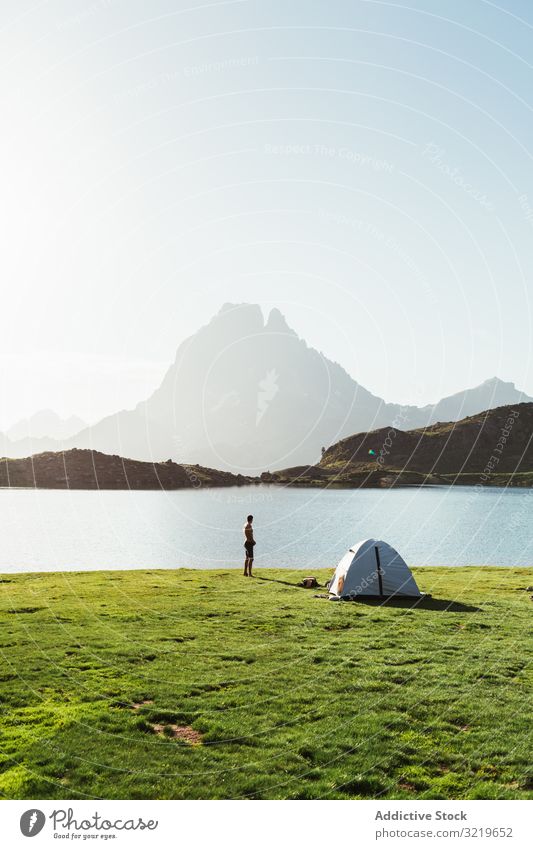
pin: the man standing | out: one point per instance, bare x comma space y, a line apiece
249, 543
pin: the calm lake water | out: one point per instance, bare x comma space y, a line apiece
48, 530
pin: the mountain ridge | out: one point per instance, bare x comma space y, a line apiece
45, 424
493, 448
245, 393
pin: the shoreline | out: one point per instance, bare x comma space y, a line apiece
256, 483
223, 570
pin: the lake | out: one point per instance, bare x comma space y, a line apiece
306, 528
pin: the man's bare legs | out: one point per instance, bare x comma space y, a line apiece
248, 546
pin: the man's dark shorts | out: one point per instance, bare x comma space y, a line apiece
249, 548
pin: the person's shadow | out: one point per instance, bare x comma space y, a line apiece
279, 581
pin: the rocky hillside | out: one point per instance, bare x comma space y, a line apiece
87, 469
492, 448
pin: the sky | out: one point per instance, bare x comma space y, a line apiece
363, 166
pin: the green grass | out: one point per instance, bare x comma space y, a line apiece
293, 696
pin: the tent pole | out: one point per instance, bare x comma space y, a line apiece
380, 578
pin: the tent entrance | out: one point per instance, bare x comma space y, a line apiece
380, 573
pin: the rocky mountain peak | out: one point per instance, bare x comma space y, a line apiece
277, 323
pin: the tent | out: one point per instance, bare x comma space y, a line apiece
372, 568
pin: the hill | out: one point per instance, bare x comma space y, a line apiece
86, 469
492, 448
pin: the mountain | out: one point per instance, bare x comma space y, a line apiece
490, 394
45, 423
247, 394
243, 394
85, 469
491, 448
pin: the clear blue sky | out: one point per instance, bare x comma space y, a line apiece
364, 166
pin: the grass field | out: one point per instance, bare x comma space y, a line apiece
189, 684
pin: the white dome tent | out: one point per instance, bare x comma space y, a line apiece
372, 568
